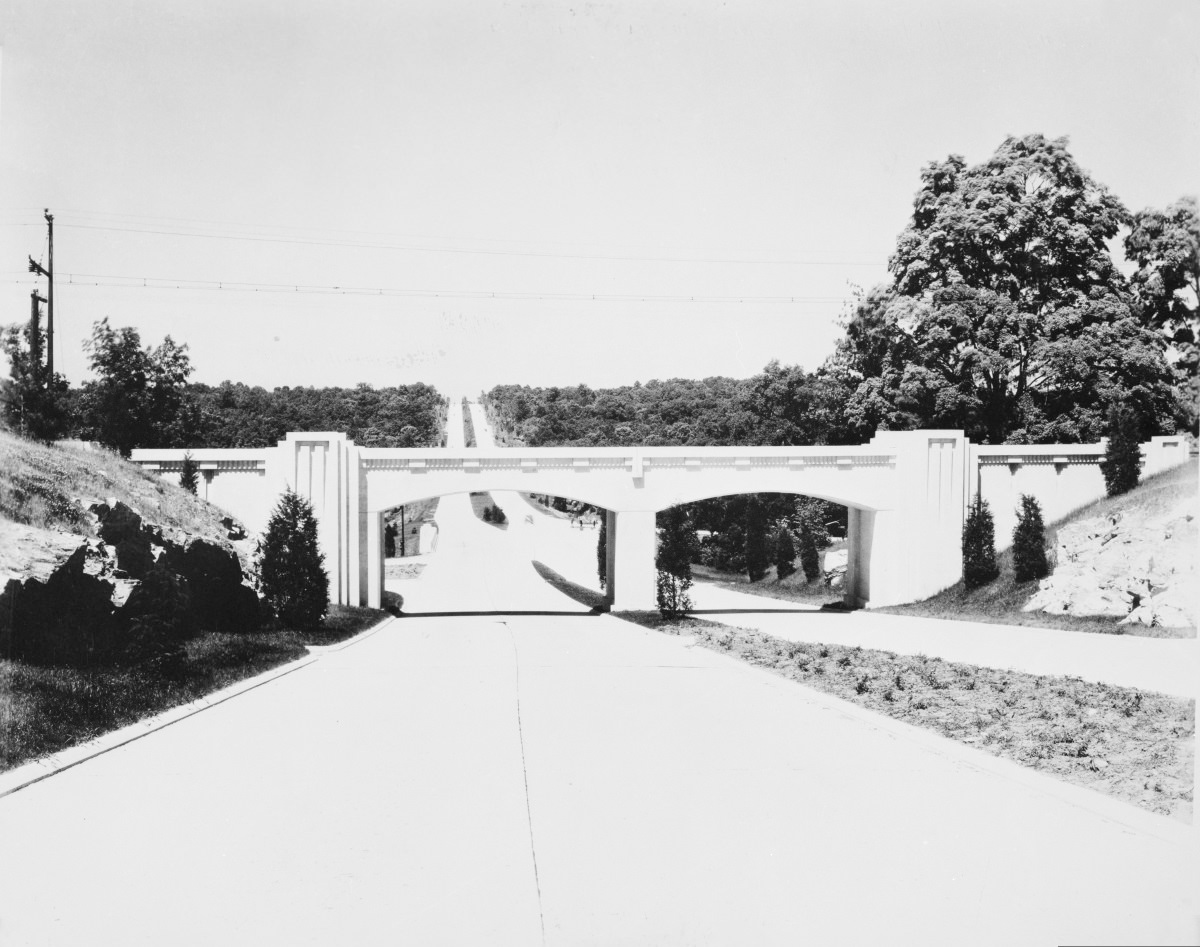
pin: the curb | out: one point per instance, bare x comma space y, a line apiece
43, 768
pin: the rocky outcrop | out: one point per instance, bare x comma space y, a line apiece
70, 598
1139, 568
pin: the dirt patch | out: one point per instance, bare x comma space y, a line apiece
1128, 743
394, 569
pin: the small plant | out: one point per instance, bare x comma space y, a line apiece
863, 685
979, 546
1029, 542
824, 652
189, 474
810, 557
785, 554
844, 661
1122, 463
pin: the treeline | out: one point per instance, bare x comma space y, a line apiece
783, 405
236, 415
140, 397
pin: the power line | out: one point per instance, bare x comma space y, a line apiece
419, 248
139, 282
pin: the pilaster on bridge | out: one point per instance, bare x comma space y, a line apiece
907, 493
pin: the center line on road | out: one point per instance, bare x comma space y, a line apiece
525, 773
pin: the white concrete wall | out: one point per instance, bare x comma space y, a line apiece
1062, 477
907, 493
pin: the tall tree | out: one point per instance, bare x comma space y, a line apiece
1008, 317
1165, 245
138, 397
33, 402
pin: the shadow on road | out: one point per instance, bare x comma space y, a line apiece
591, 613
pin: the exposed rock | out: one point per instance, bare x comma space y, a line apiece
67, 598
1131, 565
134, 556
234, 530
120, 523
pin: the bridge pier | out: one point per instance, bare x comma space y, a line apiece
631, 550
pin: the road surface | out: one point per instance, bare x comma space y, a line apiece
492, 778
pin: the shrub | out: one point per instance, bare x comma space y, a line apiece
188, 476
487, 514
979, 546
1029, 542
389, 540
161, 619
756, 540
294, 583
1122, 463
785, 554
498, 515
674, 562
602, 551
810, 558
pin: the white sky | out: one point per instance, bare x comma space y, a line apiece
775, 146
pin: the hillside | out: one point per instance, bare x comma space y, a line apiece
80, 532
1122, 565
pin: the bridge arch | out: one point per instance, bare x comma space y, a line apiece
906, 492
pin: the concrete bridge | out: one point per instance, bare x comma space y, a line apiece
907, 494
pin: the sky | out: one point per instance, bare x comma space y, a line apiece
474, 193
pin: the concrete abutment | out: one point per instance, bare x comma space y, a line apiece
907, 493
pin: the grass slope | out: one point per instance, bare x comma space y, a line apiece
1002, 601
39, 484
46, 709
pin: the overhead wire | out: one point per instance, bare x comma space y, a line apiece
147, 282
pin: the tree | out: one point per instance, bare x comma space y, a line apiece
33, 403
810, 557
756, 539
979, 545
138, 397
1007, 317
785, 553
1165, 245
676, 549
602, 551
292, 568
389, 540
188, 475
1122, 463
1029, 541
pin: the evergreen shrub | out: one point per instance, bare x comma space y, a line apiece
294, 583
1029, 542
1122, 463
979, 546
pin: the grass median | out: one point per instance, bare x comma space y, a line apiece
45, 709
1132, 744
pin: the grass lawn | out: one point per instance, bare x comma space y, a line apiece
480, 502
792, 589
44, 709
1131, 744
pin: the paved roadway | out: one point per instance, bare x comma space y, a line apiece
497, 779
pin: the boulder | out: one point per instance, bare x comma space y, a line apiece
221, 600
65, 616
120, 523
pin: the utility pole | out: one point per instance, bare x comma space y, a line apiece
35, 335
48, 272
